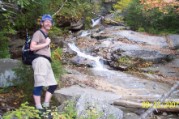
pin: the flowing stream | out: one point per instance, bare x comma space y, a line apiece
140, 87
98, 65
117, 78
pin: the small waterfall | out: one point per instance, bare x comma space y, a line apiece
96, 21
98, 64
85, 33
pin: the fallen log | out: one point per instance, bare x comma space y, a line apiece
162, 99
140, 100
166, 106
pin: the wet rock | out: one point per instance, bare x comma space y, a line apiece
80, 61
83, 33
77, 25
99, 36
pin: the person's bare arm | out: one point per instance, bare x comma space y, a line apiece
34, 46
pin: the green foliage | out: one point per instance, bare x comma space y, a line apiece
22, 3
69, 110
119, 9
121, 5
25, 81
56, 64
4, 50
28, 17
6, 30
77, 9
153, 20
55, 31
24, 112
125, 60
92, 114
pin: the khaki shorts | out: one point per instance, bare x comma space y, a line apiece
43, 73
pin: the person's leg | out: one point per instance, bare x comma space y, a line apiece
37, 97
48, 95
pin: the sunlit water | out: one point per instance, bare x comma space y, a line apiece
98, 65
96, 21
85, 33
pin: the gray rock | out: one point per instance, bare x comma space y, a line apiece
95, 105
131, 116
76, 91
143, 39
174, 40
148, 55
136, 51
7, 75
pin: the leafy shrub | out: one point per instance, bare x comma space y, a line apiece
25, 81
149, 17
5, 32
152, 20
24, 112
56, 64
121, 5
69, 110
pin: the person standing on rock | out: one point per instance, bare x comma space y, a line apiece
43, 73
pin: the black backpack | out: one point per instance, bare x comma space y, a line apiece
27, 55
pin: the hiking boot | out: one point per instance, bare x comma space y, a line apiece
46, 105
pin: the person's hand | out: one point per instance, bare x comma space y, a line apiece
48, 40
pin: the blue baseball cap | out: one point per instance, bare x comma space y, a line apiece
46, 17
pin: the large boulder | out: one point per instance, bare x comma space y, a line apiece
88, 105
7, 74
143, 38
90, 100
76, 91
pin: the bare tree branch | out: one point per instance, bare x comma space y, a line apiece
59, 9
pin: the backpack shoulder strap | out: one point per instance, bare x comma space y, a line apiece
43, 33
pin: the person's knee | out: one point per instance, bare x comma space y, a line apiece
37, 91
52, 88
